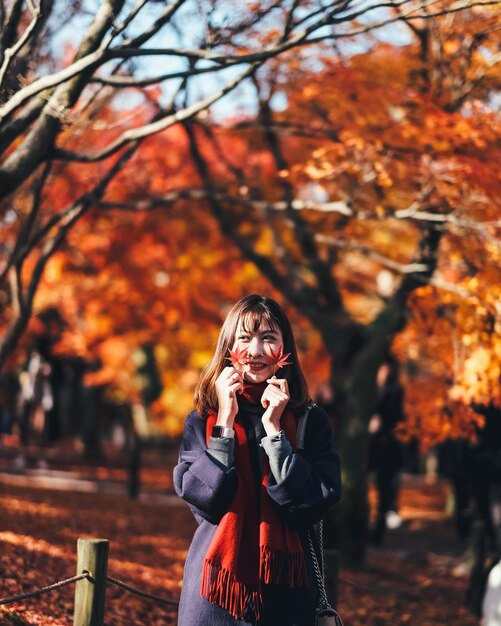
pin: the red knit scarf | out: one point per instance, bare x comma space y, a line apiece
251, 545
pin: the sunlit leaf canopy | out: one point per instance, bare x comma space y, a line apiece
378, 142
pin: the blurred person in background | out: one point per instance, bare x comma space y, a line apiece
40, 384
456, 459
486, 476
385, 451
484, 592
8, 395
36, 400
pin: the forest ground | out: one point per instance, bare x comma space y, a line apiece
414, 578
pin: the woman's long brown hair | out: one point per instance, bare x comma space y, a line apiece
251, 310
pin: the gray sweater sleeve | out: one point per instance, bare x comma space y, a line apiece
279, 452
221, 450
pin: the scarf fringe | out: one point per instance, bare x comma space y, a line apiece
279, 567
221, 587
281, 557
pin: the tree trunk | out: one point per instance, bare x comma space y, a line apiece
349, 521
355, 393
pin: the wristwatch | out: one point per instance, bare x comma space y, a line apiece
223, 431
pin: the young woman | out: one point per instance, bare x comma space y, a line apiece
253, 494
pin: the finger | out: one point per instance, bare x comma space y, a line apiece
234, 389
225, 373
279, 382
276, 395
280, 385
273, 388
232, 374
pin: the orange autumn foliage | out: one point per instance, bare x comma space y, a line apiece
396, 143
381, 147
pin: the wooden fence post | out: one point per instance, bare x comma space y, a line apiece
92, 555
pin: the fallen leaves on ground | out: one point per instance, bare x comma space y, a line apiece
409, 580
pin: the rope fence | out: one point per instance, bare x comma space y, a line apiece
92, 561
39, 592
138, 592
93, 579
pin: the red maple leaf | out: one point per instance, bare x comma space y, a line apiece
278, 358
238, 357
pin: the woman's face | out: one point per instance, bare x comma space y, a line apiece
259, 344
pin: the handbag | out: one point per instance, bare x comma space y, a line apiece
325, 615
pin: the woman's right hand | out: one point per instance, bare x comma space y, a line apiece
228, 383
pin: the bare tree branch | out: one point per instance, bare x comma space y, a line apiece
29, 240
131, 81
25, 158
415, 268
22, 246
262, 206
16, 290
123, 25
149, 129
326, 285
474, 81
102, 55
392, 317
10, 53
10, 24
303, 298
164, 18
13, 128
395, 266
36, 146
405, 16
68, 218
52, 80
289, 22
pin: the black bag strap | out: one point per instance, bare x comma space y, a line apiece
301, 427
324, 609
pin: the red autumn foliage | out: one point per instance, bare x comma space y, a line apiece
238, 357
278, 358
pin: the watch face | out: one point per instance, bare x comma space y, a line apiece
223, 431
217, 431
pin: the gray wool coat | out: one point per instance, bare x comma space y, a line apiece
310, 485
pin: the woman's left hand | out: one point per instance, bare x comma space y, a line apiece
274, 399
